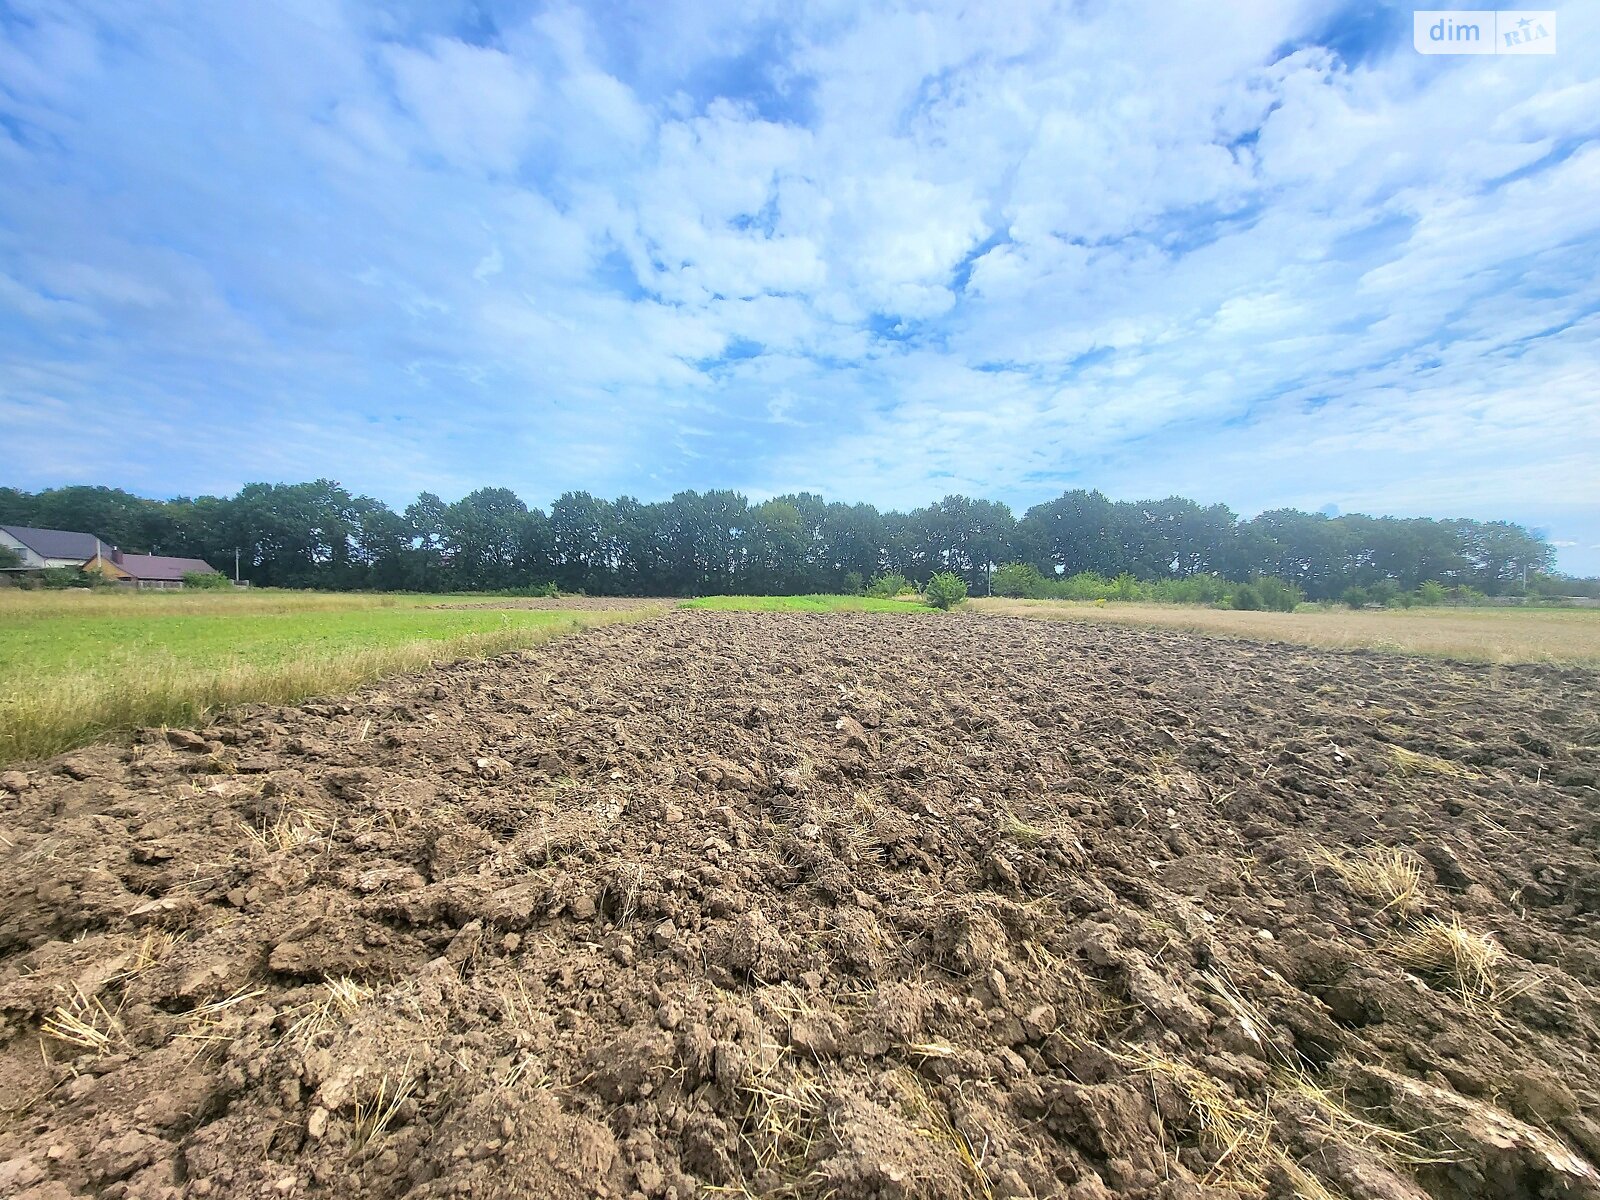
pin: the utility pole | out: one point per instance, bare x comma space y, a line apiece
236, 564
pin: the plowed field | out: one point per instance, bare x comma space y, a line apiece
838, 906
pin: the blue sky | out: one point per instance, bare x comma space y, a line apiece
1259, 252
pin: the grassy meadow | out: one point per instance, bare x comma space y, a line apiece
817, 603
1495, 635
76, 666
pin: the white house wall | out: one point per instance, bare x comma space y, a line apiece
29, 558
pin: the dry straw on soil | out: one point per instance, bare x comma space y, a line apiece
1387, 876
1465, 958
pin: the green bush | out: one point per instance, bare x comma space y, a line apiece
1355, 597
206, 580
1018, 580
1194, 589
1383, 592
1277, 595
854, 584
1431, 593
1247, 598
946, 590
59, 578
887, 587
1085, 585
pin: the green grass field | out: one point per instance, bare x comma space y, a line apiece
806, 604
77, 666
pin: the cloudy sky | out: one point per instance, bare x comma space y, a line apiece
1259, 252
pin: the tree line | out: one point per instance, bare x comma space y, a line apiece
319, 535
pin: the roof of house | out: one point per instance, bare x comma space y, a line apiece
160, 567
56, 543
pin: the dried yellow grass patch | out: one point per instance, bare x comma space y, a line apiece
1468, 958
1385, 875
342, 998
293, 828
1500, 635
934, 1124
83, 1020
1414, 762
1239, 1133
375, 1113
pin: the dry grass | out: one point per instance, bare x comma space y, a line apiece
1467, 959
782, 1109
1332, 1117
292, 829
83, 1020
1242, 1135
934, 1124
342, 998
209, 1022
1413, 763
152, 950
1502, 635
1247, 1136
1236, 1132
375, 1113
1389, 877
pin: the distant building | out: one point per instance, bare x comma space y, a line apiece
147, 570
41, 549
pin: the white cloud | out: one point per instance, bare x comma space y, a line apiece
998, 250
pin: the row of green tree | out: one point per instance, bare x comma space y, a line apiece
697, 543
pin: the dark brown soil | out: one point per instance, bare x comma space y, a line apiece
578, 603
790, 905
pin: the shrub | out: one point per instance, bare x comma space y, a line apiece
1431, 593
1246, 597
1383, 592
854, 584
1125, 587
1195, 589
1277, 595
1355, 597
58, 578
1018, 579
946, 590
206, 580
887, 587
1085, 585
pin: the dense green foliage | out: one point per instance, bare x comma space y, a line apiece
206, 580
1024, 580
709, 543
946, 590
